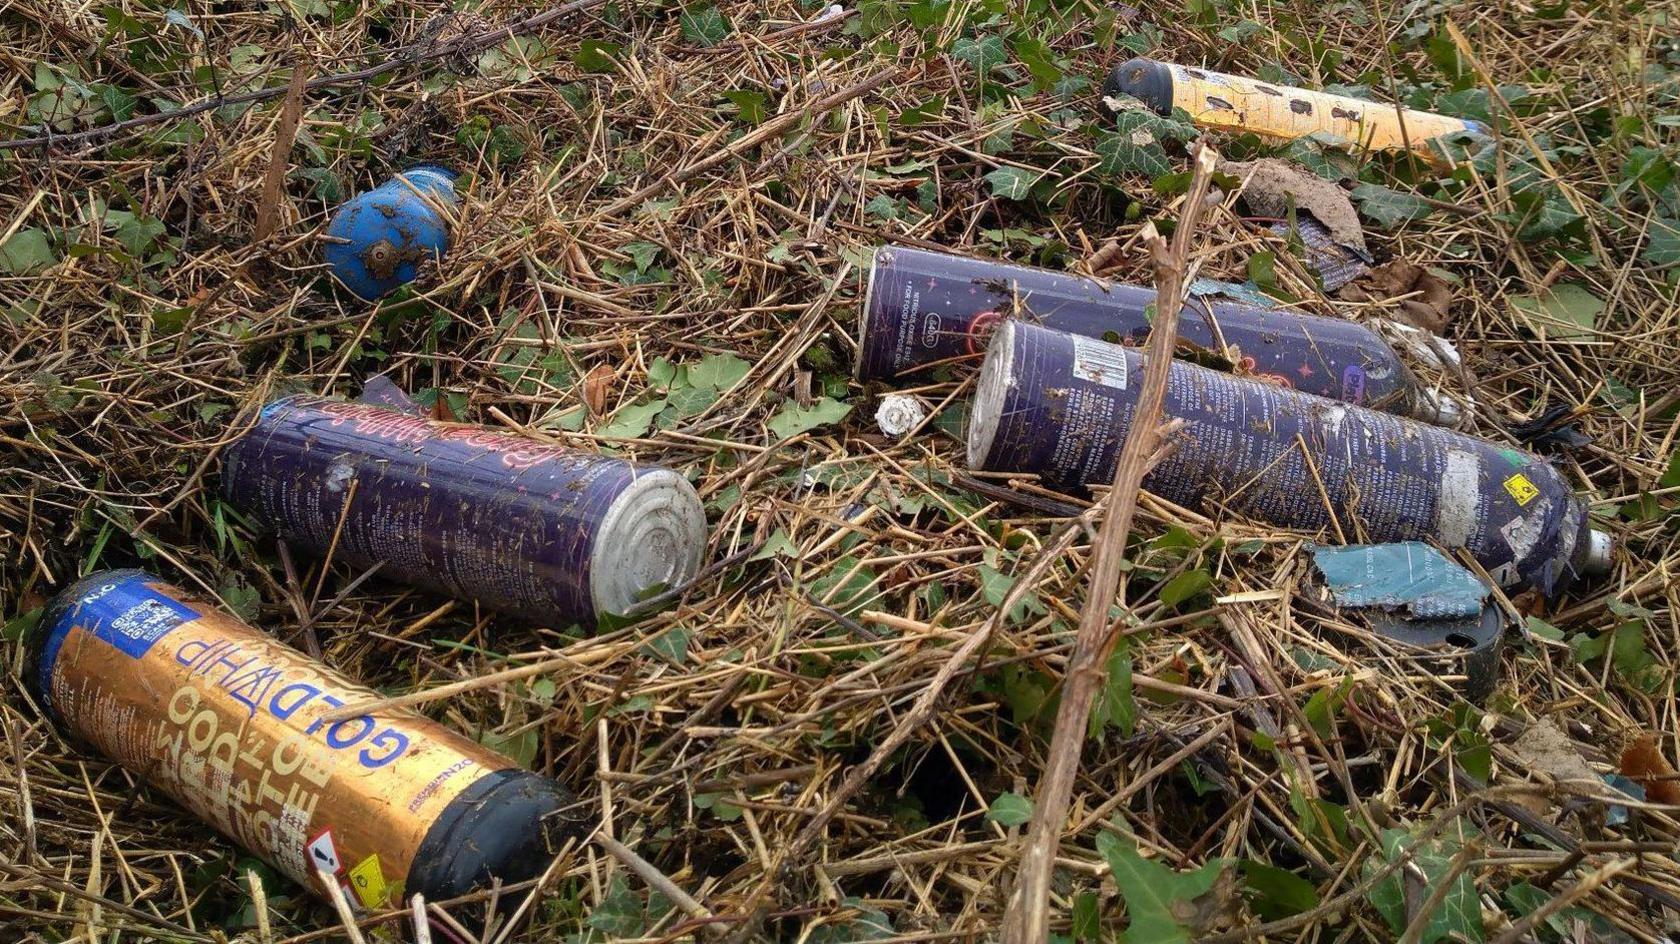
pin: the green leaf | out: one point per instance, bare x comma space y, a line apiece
1184, 587
634, 420
871, 924
672, 644
795, 419
1160, 903
1010, 809
704, 26
1134, 146
1566, 312
138, 233
1012, 183
984, 53
1115, 704
1671, 475
1544, 630
1387, 207
620, 912
1663, 247
1320, 710
595, 55
1040, 61
21, 625
1275, 893
1459, 913
522, 747
778, 544
927, 111
751, 106
1087, 918
28, 250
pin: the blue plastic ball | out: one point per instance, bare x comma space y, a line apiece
377, 240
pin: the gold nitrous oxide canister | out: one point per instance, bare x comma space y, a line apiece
1281, 112
231, 724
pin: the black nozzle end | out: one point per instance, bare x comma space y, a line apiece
507, 826
1146, 80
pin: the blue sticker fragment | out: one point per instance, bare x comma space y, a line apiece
1409, 576
124, 612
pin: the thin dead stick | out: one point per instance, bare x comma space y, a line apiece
259, 901
657, 879
268, 208
1569, 896
408, 56
1027, 917
446, 691
1438, 894
422, 925
346, 917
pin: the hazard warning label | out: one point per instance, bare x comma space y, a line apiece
323, 854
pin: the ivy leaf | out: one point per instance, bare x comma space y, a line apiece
927, 111
1276, 893
620, 912
1663, 248
1459, 914
596, 55
984, 53
1387, 207
705, 26
1568, 312
138, 233
1134, 146
752, 106
1115, 705
28, 250
1160, 903
1010, 809
1671, 475
634, 420
1185, 586
1040, 60
718, 371
1012, 183
672, 644
795, 419
871, 924
1324, 154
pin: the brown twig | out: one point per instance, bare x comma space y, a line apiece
1027, 918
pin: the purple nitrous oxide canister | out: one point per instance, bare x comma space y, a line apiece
925, 307
551, 534
1060, 406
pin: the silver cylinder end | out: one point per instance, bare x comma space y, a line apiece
1435, 407
654, 533
1599, 554
990, 393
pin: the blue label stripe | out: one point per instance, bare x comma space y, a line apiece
124, 612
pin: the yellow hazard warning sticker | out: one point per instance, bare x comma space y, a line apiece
368, 879
1521, 489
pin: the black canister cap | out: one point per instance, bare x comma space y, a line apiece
507, 826
1146, 80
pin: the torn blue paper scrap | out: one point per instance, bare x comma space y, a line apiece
1411, 576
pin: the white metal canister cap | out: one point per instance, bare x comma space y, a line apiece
653, 533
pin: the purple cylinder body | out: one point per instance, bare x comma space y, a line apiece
923, 307
1060, 406
551, 534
